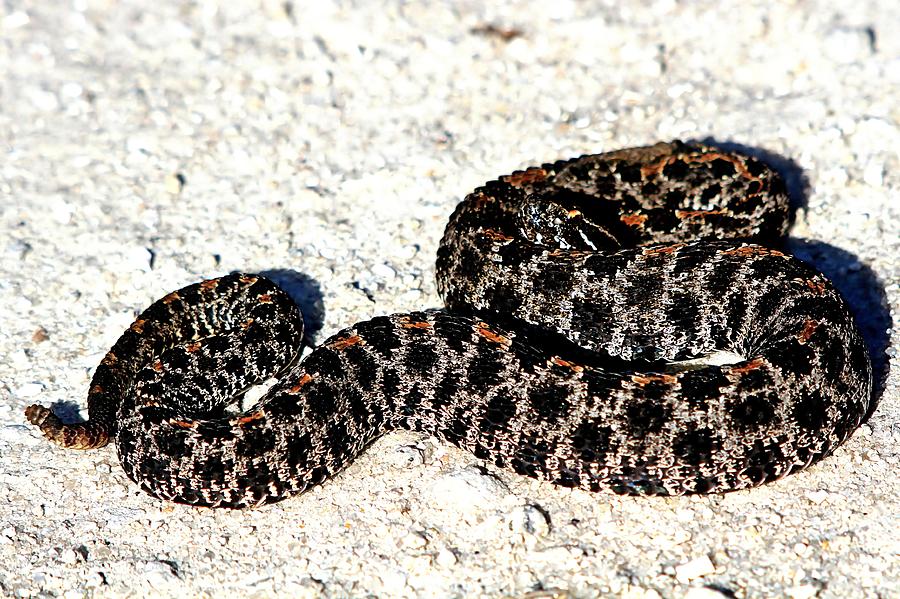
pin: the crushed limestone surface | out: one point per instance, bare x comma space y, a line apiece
148, 145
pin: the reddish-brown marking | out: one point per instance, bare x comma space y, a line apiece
751, 250
109, 359
249, 279
300, 384
210, 284
753, 364
817, 286
171, 297
242, 420
265, 298
685, 214
138, 326
192, 347
406, 323
669, 249
573, 213
158, 366
739, 166
96, 389
479, 200
246, 324
496, 236
483, 329
183, 423
633, 220
346, 342
710, 156
566, 364
809, 327
655, 168
644, 379
531, 175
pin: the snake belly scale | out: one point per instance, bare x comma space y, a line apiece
578, 295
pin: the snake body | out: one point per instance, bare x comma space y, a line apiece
579, 296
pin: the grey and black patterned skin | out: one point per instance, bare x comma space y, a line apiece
576, 293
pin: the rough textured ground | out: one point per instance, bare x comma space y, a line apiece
146, 145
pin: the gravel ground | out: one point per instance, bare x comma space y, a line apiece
147, 145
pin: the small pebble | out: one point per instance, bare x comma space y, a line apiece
846, 45
16, 19
529, 520
384, 272
94, 580
818, 496
873, 174
405, 456
467, 490
160, 575
634, 592
445, 558
696, 568
414, 541
28, 390
42, 99
803, 591
394, 581
174, 183
137, 258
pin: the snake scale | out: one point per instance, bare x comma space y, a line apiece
581, 299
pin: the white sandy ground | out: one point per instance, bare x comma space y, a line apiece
147, 145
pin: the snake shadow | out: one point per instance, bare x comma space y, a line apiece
307, 294
859, 284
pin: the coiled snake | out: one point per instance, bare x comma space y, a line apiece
578, 297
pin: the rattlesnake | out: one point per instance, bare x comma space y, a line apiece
579, 296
